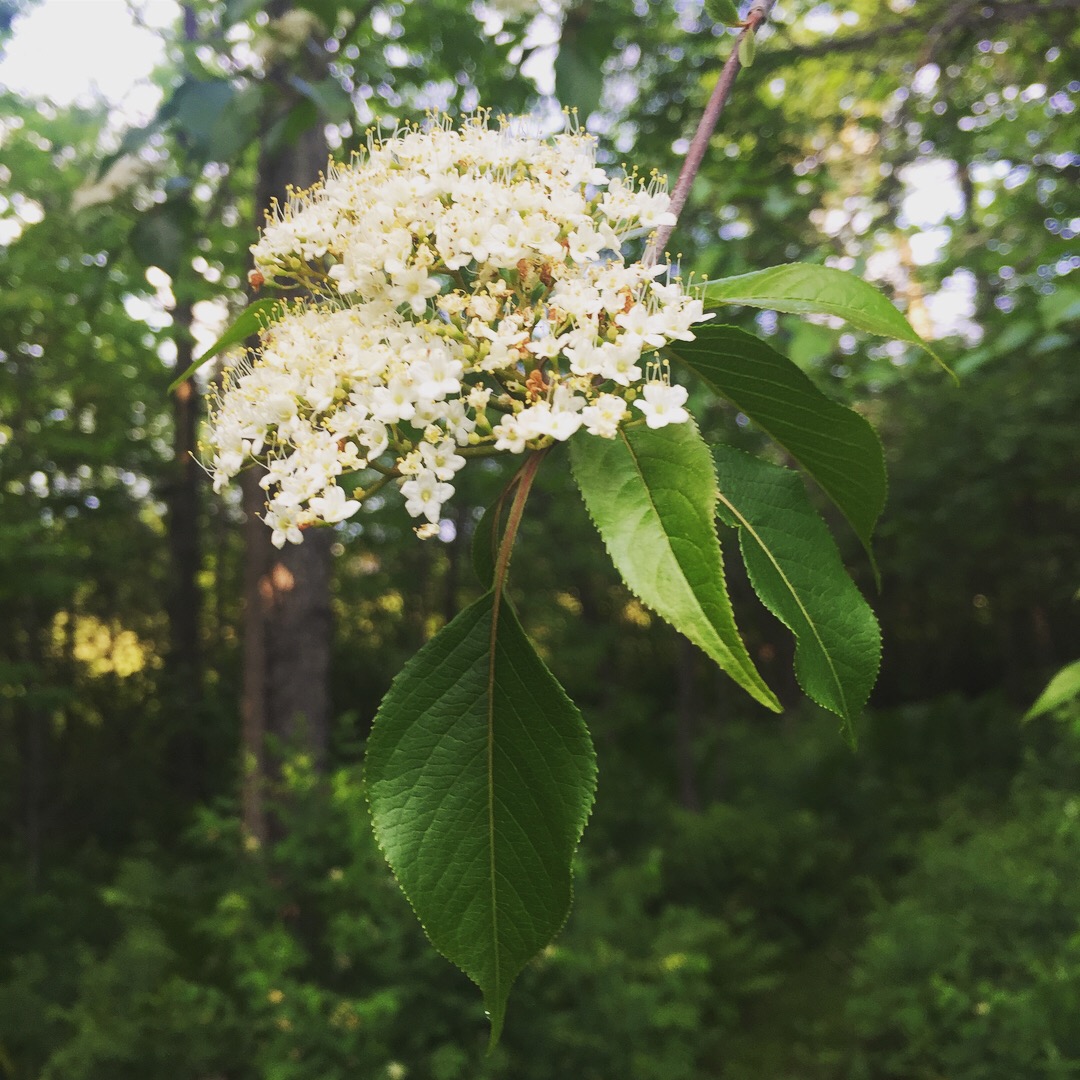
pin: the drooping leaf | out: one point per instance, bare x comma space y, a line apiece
134, 139
238, 124
247, 323
200, 105
723, 12
1062, 688
652, 495
579, 65
480, 775
327, 10
328, 96
747, 49
235, 10
804, 289
835, 445
287, 129
795, 568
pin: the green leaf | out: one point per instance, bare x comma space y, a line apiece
1060, 306
239, 124
235, 10
327, 11
134, 139
579, 65
485, 541
328, 96
287, 129
747, 49
480, 776
835, 445
245, 325
795, 567
722, 12
804, 289
652, 495
201, 106
1061, 689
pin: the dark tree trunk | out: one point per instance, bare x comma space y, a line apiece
188, 754
184, 546
287, 614
35, 734
253, 711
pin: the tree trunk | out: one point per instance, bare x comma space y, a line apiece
188, 754
287, 614
33, 756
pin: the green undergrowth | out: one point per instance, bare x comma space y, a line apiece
826, 915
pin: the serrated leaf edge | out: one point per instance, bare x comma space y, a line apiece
822, 307
768, 698
864, 540
594, 774
848, 721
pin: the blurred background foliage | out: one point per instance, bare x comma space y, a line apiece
753, 901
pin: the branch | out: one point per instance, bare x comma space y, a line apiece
757, 15
969, 15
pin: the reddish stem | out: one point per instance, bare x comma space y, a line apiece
706, 126
522, 483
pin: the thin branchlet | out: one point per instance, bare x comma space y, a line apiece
695, 155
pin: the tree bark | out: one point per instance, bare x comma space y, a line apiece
287, 613
33, 755
184, 604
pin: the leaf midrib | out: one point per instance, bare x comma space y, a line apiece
746, 524
697, 603
496, 604
774, 431
817, 301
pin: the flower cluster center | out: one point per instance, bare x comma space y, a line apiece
459, 291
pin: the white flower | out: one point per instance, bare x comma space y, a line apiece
441, 459
663, 404
333, 506
510, 436
463, 288
640, 323
604, 416
284, 517
414, 287
425, 495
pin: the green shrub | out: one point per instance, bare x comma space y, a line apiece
973, 973
305, 963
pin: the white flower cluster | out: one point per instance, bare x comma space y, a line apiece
464, 292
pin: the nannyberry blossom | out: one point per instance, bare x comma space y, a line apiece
463, 292
663, 404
